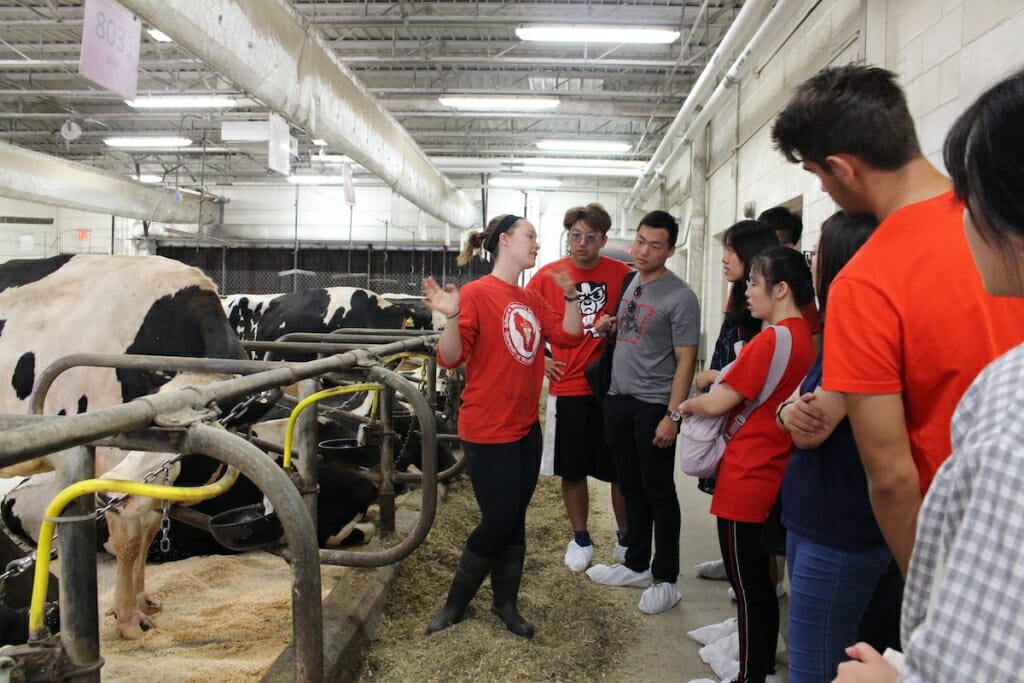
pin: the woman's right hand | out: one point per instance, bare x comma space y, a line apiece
445, 301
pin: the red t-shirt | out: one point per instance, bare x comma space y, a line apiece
909, 315
599, 290
750, 474
503, 328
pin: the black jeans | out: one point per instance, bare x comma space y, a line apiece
645, 474
757, 607
504, 476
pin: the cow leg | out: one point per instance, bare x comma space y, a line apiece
150, 527
130, 537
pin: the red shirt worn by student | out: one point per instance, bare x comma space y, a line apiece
503, 328
598, 288
909, 315
750, 474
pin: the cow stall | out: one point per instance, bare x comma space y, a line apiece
181, 415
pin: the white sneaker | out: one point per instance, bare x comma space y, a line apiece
780, 589
712, 569
577, 557
619, 553
619, 575
659, 597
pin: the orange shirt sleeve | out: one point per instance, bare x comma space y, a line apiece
864, 346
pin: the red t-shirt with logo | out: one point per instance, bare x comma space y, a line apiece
909, 315
598, 289
750, 474
503, 328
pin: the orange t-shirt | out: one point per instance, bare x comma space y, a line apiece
502, 329
909, 315
598, 289
750, 474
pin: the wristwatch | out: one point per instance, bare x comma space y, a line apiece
675, 417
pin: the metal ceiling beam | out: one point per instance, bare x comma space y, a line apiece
44, 179
264, 48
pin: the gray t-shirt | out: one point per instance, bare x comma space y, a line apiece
665, 314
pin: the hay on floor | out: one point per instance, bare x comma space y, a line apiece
580, 626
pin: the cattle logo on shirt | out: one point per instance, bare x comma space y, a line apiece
521, 330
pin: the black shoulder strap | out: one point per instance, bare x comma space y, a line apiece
622, 290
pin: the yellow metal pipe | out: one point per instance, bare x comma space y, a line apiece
317, 397
134, 488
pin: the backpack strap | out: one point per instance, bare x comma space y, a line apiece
780, 360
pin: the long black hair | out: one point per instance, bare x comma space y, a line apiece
841, 236
748, 239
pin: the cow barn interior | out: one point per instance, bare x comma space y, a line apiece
300, 145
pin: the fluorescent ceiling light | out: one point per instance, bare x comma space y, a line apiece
181, 102
584, 146
148, 178
158, 35
523, 182
147, 142
316, 180
598, 34
319, 142
584, 170
499, 103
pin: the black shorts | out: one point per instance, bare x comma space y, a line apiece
580, 448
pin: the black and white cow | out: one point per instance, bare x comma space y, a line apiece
107, 304
265, 317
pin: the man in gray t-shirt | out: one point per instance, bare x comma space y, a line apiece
658, 331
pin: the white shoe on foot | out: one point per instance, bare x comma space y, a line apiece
780, 589
712, 569
577, 557
619, 575
659, 597
619, 553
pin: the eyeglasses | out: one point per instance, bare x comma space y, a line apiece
577, 237
809, 255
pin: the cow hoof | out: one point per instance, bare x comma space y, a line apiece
135, 629
148, 606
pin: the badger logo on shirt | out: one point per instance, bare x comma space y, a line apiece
592, 298
521, 331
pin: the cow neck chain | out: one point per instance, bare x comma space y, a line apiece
22, 564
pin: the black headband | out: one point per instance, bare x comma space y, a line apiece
492, 240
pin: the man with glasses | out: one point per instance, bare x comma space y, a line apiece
658, 331
579, 444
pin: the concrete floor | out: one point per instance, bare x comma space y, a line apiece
665, 652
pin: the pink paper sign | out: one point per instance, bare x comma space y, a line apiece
110, 47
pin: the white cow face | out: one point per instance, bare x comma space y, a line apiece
593, 297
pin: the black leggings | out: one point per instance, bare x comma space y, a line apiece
504, 476
757, 607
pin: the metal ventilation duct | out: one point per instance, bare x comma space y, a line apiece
44, 179
265, 49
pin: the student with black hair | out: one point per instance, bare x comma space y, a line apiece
750, 473
657, 329
965, 589
835, 551
788, 226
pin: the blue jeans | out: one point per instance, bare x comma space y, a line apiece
829, 590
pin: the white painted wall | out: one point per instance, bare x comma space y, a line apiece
945, 53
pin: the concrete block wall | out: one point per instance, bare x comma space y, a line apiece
944, 52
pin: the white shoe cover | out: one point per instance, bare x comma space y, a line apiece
619, 553
732, 594
659, 597
780, 589
577, 557
712, 569
619, 575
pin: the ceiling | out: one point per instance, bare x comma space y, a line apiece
405, 55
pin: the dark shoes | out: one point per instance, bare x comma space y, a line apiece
506, 574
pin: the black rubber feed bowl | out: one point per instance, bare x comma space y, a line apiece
246, 528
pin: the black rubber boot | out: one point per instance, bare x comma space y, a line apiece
506, 575
469, 574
